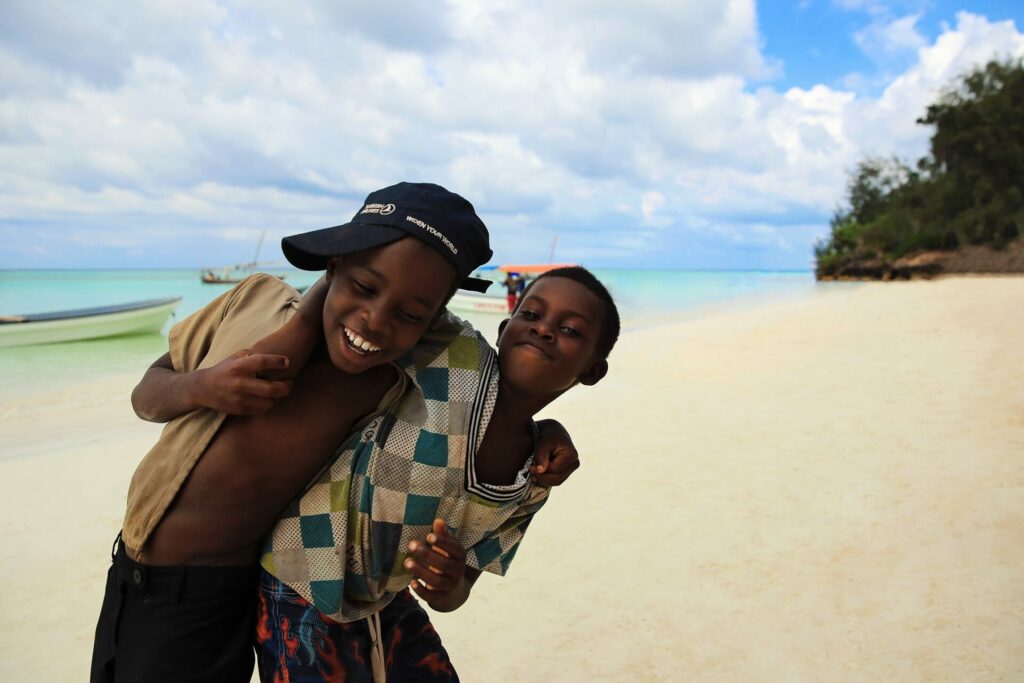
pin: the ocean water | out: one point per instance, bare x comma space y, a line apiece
645, 298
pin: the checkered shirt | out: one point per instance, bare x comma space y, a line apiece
342, 543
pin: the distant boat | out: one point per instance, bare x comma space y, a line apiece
478, 302
497, 302
136, 317
229, 275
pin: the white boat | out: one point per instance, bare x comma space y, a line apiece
230, 275
87, 323
497, 302
478, 302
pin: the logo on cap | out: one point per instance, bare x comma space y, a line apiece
381, 209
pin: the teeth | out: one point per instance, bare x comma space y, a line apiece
360, 343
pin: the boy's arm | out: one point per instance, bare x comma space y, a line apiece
247, 382
442, 578
231, 386
296, 339
444, 572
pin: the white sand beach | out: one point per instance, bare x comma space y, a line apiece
819, 489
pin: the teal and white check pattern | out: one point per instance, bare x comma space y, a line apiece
342, 544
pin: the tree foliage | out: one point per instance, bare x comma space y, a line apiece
969, 189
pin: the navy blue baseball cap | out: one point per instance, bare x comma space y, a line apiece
439, 218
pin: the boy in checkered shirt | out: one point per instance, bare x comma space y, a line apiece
179, 602
426, 497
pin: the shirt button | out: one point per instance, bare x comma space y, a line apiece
137, 577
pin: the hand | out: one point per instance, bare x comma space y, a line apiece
556, 458
234, 386
439, 568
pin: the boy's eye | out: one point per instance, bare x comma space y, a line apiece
362, 287
411, 317
570, 331
528, 314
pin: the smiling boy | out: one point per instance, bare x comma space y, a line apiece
384, 518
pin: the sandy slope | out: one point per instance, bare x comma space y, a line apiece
812, 490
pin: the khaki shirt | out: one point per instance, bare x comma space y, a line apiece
233, 321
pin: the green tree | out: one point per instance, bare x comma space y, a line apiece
968, 190
977, 153
872, 187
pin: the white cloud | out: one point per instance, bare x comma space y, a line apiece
887, 125
614, 126
650, 205
885, 39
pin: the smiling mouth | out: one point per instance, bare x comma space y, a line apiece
358, 344
535, 348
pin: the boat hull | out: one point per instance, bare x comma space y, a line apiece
91, 326
478, 303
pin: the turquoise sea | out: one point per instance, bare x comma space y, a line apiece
645, 298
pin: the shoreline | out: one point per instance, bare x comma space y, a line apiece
819, 488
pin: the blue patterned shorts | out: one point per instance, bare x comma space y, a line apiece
298, 644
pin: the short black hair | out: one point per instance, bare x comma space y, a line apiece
609, 324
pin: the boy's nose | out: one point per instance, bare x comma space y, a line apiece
373, 318
542, 330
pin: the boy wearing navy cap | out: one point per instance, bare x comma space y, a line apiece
179, 602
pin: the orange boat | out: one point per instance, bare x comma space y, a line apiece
532, 268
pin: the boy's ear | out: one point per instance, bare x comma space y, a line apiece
595, 373
332, 263
501, 327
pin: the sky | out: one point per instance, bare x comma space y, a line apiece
695, 134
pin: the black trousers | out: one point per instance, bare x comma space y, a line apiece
180, 624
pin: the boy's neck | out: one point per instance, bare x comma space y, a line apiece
508, 441
517, 406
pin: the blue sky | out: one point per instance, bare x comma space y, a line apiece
696, 134
827, 42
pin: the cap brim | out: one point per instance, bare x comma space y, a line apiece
475, 284
312, 250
